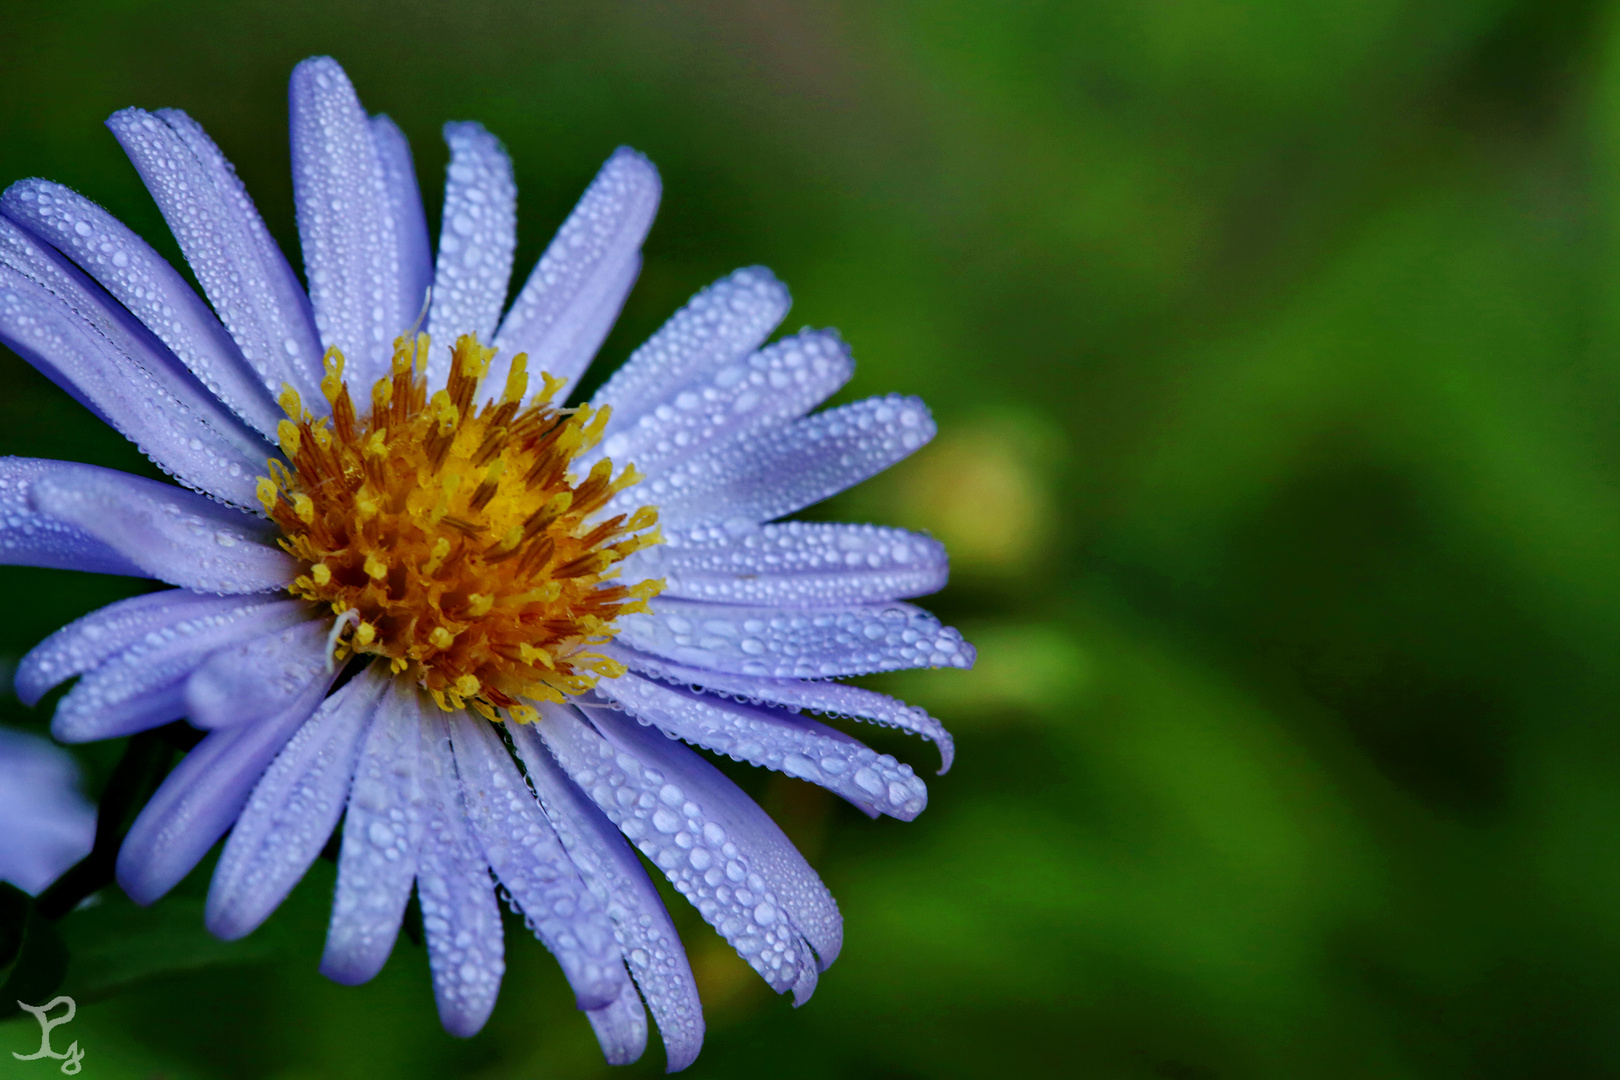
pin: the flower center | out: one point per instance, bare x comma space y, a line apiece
454, 541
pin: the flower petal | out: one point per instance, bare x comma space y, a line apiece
776, 739
382, 835
780, 382
405, 203
258, 678
834, 699
779, 470
292, 810
50, 825
651, 947
621, 1026
795, 564
717, 327
346, 223
716, 847
28, 538
144, 282
460, 916
200, 799
144, 685
241, 270
530, 863
175, 535
557, 317
87, 642
815, 643
68, 348
476, 240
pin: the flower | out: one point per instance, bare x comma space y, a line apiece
47, 823
414, 592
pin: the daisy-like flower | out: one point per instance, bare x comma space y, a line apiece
47, 824
414, 592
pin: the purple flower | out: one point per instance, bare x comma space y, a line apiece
47, 824
414, 593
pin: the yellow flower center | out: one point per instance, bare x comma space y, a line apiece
453, 541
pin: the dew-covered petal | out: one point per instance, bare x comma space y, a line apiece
241, 270
795, 564
174, 535
829, 698
775, 739
621, 1026
812, 643
405, 203
716, 847
780, 382
74, 354
29, 538
258, 678
346, 223
382, 834
776, 471
143, 281
88, 641
200, 799
586, 270
717, 327
652, 950
144, 685
476, 239
293, 810
530, 863
460, 916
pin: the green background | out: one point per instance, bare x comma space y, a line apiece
1276, 353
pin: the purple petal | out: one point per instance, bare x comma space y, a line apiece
143, 281
529, 861
175, 535
75, 355
460, 917
292, 810
144, 685
717, 327
586, 270
382, 834
346, 222
48, 825
28, 538
833, 699
780, 382
718, 853
621, 1026
651, 947
258, 678
202, 796
795, 564
85, 643
476, 239
237, 263
405, 203
775, 739
814, 643
782, 469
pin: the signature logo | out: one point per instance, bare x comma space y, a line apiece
72, 1058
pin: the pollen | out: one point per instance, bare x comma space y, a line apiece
474, 560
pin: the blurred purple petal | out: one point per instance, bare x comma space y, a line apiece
47, 824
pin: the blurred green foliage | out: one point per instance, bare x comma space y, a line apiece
1276, 353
